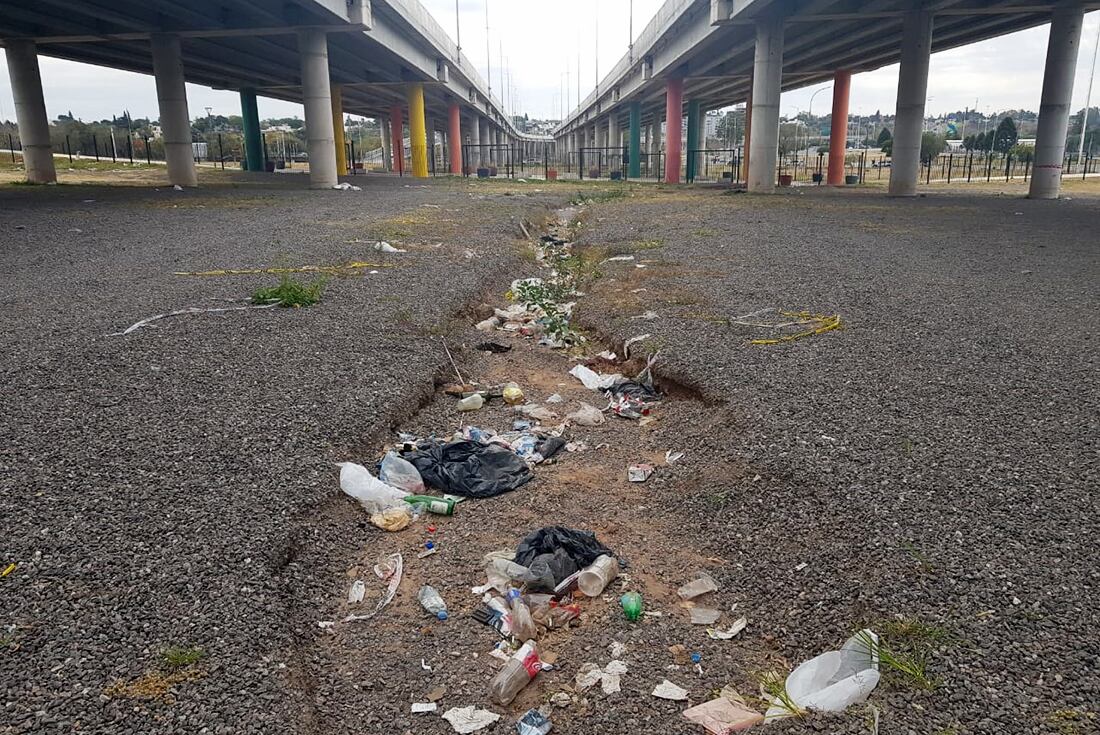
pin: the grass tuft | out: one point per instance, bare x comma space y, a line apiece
290, 293
178, 657
911, 666
773, 691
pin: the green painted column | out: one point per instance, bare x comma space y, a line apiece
693, 138
634, 168
250, 119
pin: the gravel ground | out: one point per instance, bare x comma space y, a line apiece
151, 485
933, 461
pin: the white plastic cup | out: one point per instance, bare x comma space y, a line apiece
594, 578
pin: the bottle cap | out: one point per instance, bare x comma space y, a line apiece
442, 614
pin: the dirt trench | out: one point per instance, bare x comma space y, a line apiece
364, 676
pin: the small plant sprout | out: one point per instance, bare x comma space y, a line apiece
773, 693
290, 292
914, 666
179, 657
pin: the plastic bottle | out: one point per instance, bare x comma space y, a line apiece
471, 403
512, 394
598, 575
523, 625
632, 605
374, 495
439, 506
516, 674
431, 601
401, 474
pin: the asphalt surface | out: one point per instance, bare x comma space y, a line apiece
935, 460
152, 485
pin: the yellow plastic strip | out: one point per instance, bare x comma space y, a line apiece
9, 570
826, 323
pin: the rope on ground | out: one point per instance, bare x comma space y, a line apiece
331, 269
824, 322
190, 310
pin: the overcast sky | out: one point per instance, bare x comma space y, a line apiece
541, 41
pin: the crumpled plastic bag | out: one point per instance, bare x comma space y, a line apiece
469, 719
586, 415
593, 380
396, 518
722, 716
559, 546
468, 468
399, 473
374, 495
834, 680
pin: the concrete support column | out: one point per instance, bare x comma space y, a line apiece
397, 138
475, 140
454, 138
429, 139
418, 140
614, 135
838, 127
317, 101
338, 143
692, 139
485, 152
387, 143
172, 100
1054, 109
916, 47
767, 84
250, 121
674, 105
747, 143
30, 111
634, 147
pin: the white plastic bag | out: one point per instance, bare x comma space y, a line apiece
586, 415
834, 680
374, 495
593, 380
401, 474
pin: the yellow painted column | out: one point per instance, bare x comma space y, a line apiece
417, 130
338, 130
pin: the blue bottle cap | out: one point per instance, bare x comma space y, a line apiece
442, 614
696, 658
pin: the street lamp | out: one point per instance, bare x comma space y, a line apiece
810, 114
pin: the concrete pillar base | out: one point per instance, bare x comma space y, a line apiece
838, 133
317, 101
766, 87
30, 111
916, 48
1054, 109
175, 122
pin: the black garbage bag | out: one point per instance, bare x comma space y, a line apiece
566, 550
634, 389
547, 570
469, 468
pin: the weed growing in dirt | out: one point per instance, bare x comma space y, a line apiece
912, 665
1073, 722
290, 292
598, 197
178, 657
922, 559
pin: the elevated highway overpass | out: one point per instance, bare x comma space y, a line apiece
700, 55
386, 59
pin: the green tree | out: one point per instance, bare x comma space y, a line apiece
1006, 136
888, 147
970, 142
931, 145
979, 142
884, 136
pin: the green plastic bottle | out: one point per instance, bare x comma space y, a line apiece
439, 506
632, 605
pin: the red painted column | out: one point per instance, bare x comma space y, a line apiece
674, 127
454, 138
397, 137
838, 131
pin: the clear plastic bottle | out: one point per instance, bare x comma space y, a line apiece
432, 602
472, 403
523, 624
516, 674
597, 575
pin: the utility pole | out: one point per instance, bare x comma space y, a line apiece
630, 48
597, 40
458, 41
488, 53
1088, 99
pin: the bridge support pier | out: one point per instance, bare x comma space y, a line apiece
692, 140
454, 138
614, 135
339, 145
418, 140
172, 100
30, 111
397, 138
766, 88
1054, 109
674, 109
387, 143
317, 101
916, 48
485, 153
250, 121
634, 167
838, 131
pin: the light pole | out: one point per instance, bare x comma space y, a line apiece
458, 37
1088, 98
488, 53
810, 114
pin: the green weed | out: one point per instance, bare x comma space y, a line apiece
290, 292
178, 657
773, 690
912, 666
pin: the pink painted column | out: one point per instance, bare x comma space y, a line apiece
838, 131
454, 138
397, 146
674, 105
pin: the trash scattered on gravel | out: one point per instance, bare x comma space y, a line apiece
384, 247
639, 472
469, 468
700, 586
730, 632
795, 324
586, 415
345, 186
723, 715
705, 615
667, 690
517, 673
148, 321
357, 591
422, 707
388, 569
834, 680
608, 677
469, 719
534, 722
494, 347
672, 457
